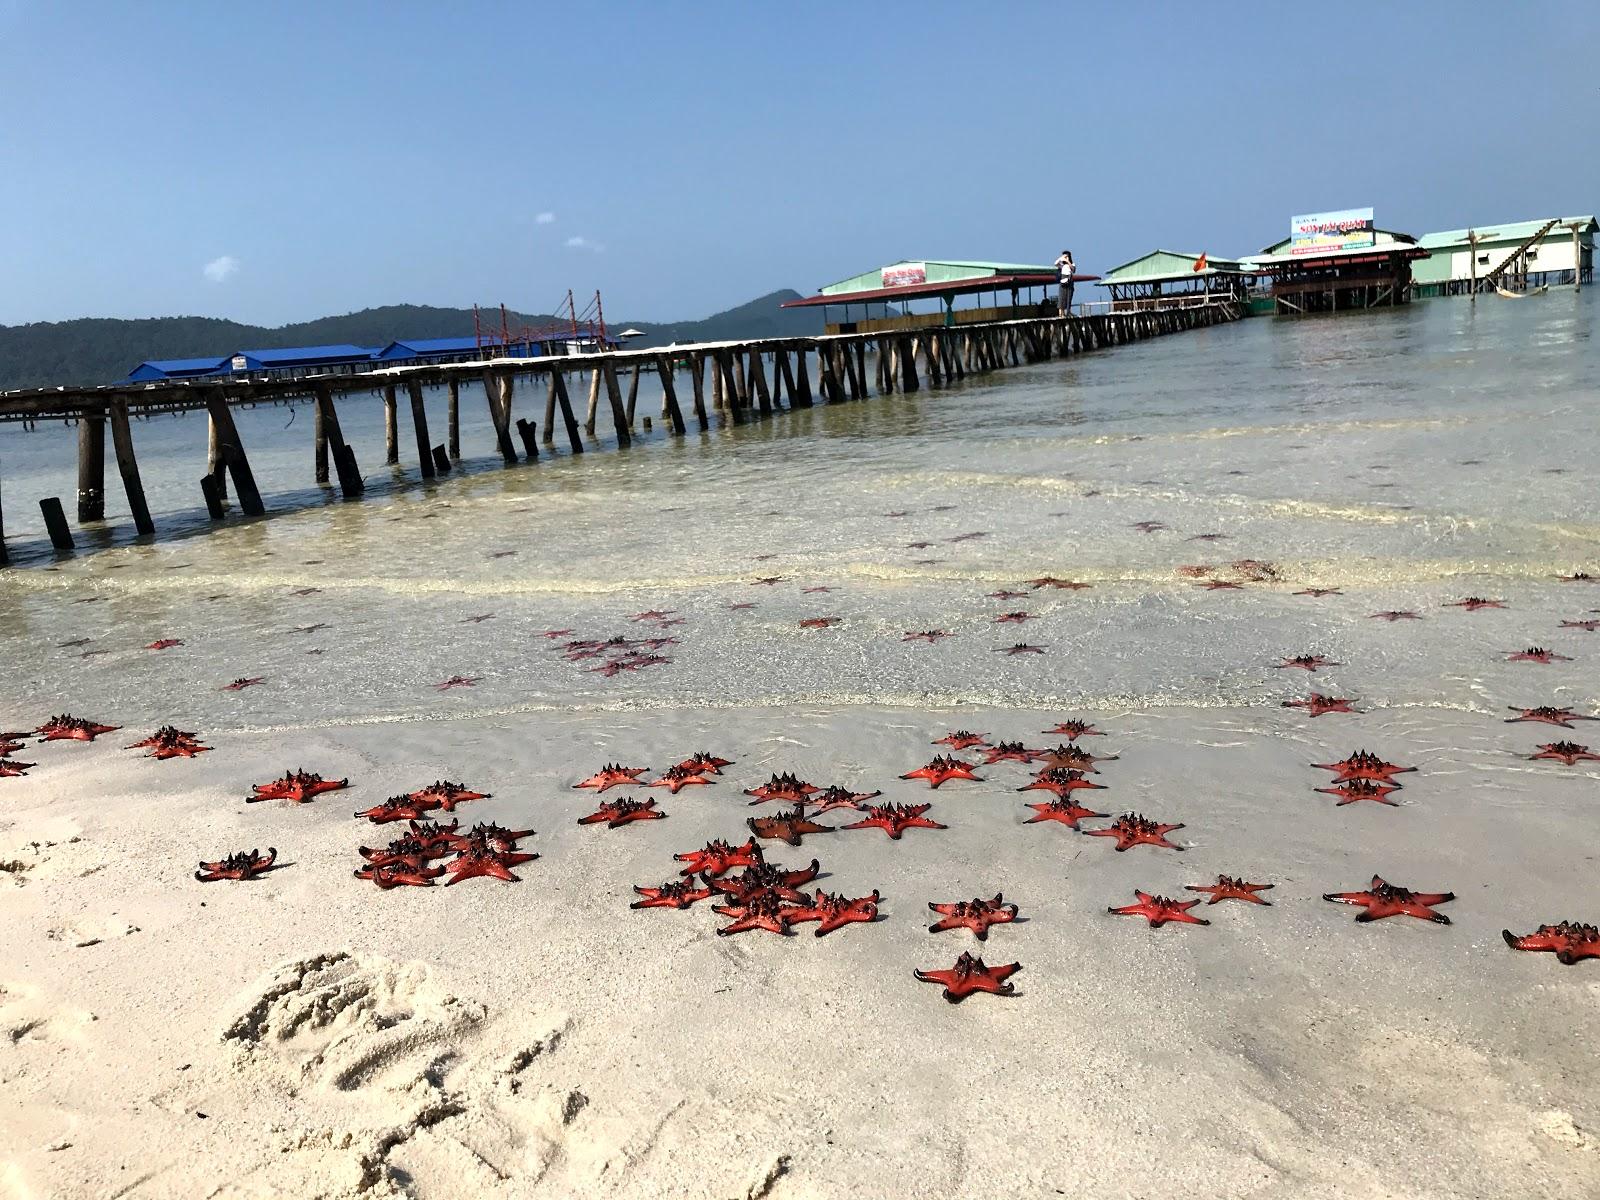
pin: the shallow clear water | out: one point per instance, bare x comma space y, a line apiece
1409, 458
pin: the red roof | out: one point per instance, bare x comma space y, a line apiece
953, 287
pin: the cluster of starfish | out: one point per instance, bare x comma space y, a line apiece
620, 653
439, 795
170, 742
694, 771
1362, 776
485, 850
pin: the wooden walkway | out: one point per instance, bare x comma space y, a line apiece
731, 382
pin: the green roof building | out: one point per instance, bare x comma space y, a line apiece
1172, 278
1547, 250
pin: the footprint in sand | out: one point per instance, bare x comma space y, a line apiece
27, 1017
82, 932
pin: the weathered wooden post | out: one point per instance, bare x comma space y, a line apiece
231, 449
758, 376
594, 401
128, 467
697, 375
214, 466
496, 393
91, 468
344, 458
391, 426
740, 376
633, 389
802, 395
441, 460
619, 418
320, 437
669, 392
558, 388
419, 425
730, 385
530, 438
718, 403
55, 522
908, 365
788, 380
453, 419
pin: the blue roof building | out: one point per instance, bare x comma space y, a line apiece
298, 360
155, 370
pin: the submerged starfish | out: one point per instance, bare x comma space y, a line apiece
1004, 594
1537, 654
837, 797
623, 812
970, 975
1363, 765
246, 864
942, 770
1220, 585
1020, 648
457, 681
717, 858
679, 893
976, 914
1050, 581
1352, 790
1586, 626
1131, 829
1073, 730
1073, 758
1319, 592
1569, 940
1474, 603
926, 635
1147, 526
820, 622
239, 685
1396, 614
1158, 910
1060, 782
1229, 888
835, 911
1547, 714
164, 643
1014, 618
788, 826
1317, 704
961, 739
1387, 900
675, 778
1567, 753
612, 775
1063, 809
895, 819
785, 787
1579, 577
1307, 662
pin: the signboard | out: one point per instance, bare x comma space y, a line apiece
239, 363
1317, 233
905, 275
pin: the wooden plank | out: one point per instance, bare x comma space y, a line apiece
128, 468
419, 425
91, 469
391, 426
619, 418
492, 381
452, 416
669, 393
55, 521
233, 455
558, 386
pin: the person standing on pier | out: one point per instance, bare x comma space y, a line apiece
1065, 268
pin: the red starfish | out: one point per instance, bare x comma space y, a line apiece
457, 681
552, 634
1013, 618
1020, 648
1547, 715
1010, 752
654, 614
1318, 704
397, 874
622, 812
739, 607
1220, 585
72, 729
1063, 809
764, 911
769, 581
820, 622
10, 768
1362, 765
1130, 829
1387, 900
1586, 626
1158, 910
705, 763
239, 685
838, 797
164, 643
788, 826
809, 590
1352, 790
243, 865
1050, 581
497, 836
408, 851
1537, 654
1073, 758
1003, 594
679, 893
784, 787
395, 808
478, 859
171, 742
1229, 888
961, 739
717, 858
895, 819
835, 911
612, 775
1073, 730
1474, 603
1060, 782
1319, 592
441, 793
296, 787
1394, 614
976, 914
941, 770
972, 975
1570, 940
678, 777
766, 877
1195, 570
1567, 753
927, 635
1308, 662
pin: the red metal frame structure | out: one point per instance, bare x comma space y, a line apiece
527, 340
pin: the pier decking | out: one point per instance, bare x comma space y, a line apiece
728, 382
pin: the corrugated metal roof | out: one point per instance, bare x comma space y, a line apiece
293, 355
1163, 264
1515, 232
937, 270
952, 287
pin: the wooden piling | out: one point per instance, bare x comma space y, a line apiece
741, 376
211, 489
233, 455
319, 437
344, 459
908, 365
391, 427
530, 438
496, 393
758, 377
788, 381
633, 389
419, 425
697, 375
558, 388
441, 460
214, 467
718, 404
669, 393
55, 521
91, 468
452, 415
802, 394
730, 385
619, 418
128, 467
594, 401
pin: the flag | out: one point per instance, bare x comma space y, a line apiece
1200, 263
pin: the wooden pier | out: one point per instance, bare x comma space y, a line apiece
729, 383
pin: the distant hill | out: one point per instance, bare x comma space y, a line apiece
104, 350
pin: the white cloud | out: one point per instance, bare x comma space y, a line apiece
578, 242
220, 268
545, 218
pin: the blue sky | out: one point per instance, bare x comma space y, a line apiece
277, 162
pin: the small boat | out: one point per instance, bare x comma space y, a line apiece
1538, 291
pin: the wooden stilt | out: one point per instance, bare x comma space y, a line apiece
419, 424
669, 393
788, 381
908, 365
633, 390
55, 521
214, 467
594, 401
496, 389
452, 416
558, 388
319, 436
128, 467
741, 376
861, 367
780, 359
344, 459
441, 460
718, 404
548, 434
730, 386
697, 374
619, 418
530, 438
4, 558
211, 489
233, 455
803, 393
391, 426
91, 468
758, 376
